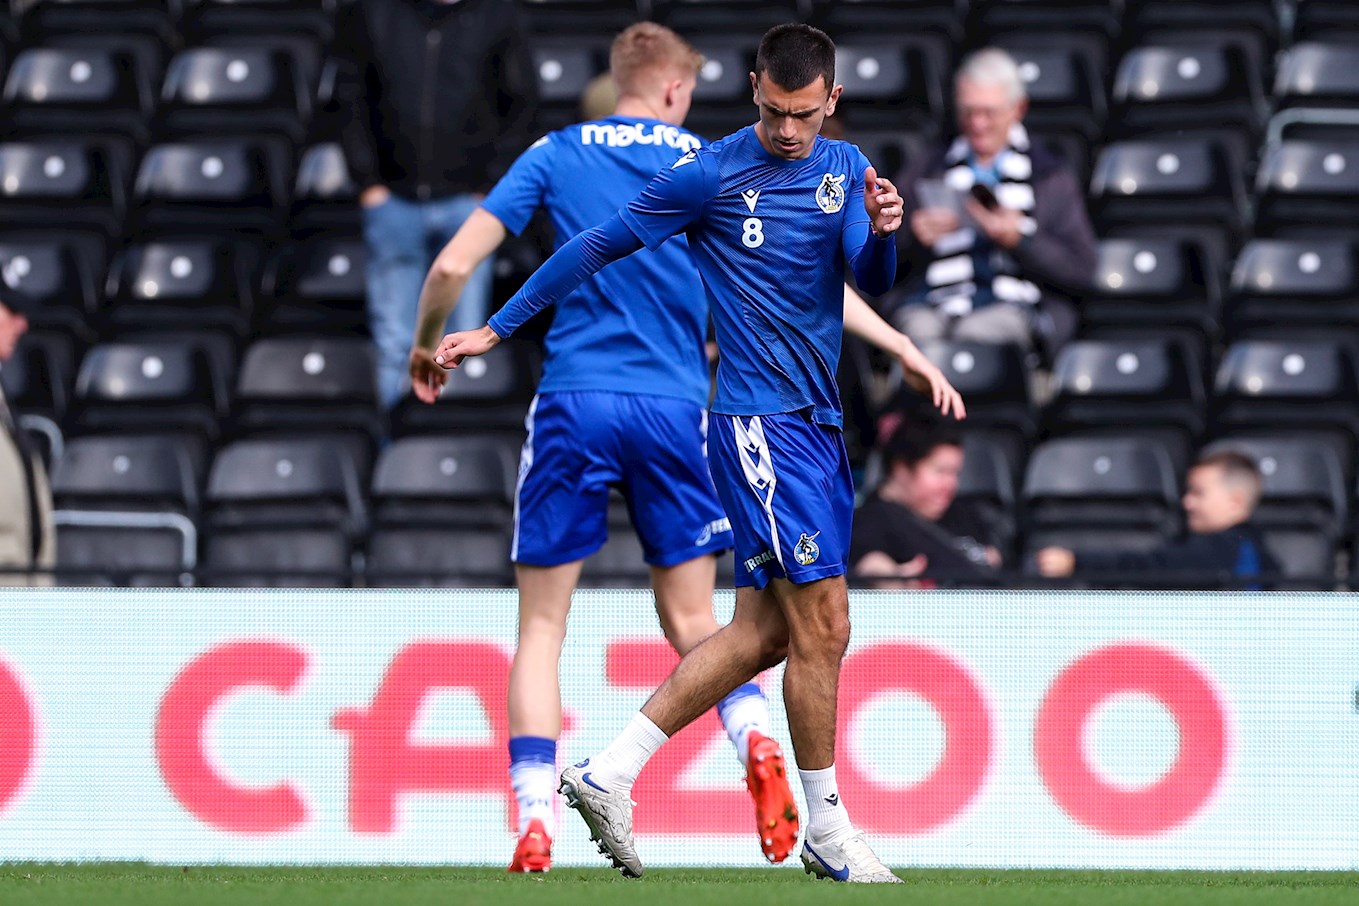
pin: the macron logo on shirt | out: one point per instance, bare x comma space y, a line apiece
623, 135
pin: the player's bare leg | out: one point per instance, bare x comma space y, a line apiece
684, 607
534, 705
817, 616
600, 788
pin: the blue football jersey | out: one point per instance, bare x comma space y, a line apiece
639, 324
771, 238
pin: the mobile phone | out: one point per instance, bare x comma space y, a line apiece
984, 196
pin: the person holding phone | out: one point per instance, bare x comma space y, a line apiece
998, 244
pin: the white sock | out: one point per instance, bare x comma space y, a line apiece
742, 711
827, 821
623, 759
534, 784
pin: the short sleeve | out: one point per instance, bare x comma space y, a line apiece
671, 201
522, 190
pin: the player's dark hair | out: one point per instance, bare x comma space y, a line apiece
792, 56
916, 440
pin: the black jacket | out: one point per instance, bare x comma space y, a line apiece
445, 98
1237, 553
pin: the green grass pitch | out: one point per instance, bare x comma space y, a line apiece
143, 885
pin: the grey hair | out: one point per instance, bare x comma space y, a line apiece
993, 66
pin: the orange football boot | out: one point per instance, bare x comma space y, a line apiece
534, 852
775, 809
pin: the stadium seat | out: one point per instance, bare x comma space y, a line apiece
149, 386
1303, 509
321, 385
137, 548
1182, 187
488, 393
565, 64
154, 19
694, 17
438, 556
446, 481
317, 286
277, 558
1089, 27
1100, 493
1293, 283
37, 381
1303, 186
80, 90
1305, 387
894, 83
67, 182
315, 18
198, 283
324, 197
216, 184
1113, 387
1315, 74
994, 382
1066, 95
943, 18
1152, 282
235, 90
60, 270
137, 473
727, 63
273, 483
1201, 89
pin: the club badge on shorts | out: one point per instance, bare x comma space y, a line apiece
807, 550
830, 195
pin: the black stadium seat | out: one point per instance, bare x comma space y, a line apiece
316, 286
235, 89
1150, 282
1101, 493
62, 271
149, 386
987, 484
1298, 284
200, 283
129, 472
1316, 74
320, 385
491, 392
442, 511
1114, 387
1306, 186
218, 184
64, 182
324, 196
80, 90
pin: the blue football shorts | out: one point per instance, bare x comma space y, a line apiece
786, 485
652, 448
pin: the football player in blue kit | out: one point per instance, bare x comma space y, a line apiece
772, 215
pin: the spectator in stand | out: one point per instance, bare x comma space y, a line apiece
1221, 492
27, 537
913, 524
445, 100
999, 241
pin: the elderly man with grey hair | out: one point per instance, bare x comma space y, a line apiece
999, 243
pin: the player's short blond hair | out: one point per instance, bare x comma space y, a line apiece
645, 52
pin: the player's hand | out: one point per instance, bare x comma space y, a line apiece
427, 378
1055, 562
457, 346
1002, 225
932, 224
882, 203
924, 376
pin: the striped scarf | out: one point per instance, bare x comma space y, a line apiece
969, 270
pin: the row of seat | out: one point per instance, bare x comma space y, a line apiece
439, 508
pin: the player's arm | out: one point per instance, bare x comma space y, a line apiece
479, 236
867, 237
670, 202
922, 374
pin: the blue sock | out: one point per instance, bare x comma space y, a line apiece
533, 774
744, 709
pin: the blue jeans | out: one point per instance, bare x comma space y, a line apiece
403, 237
